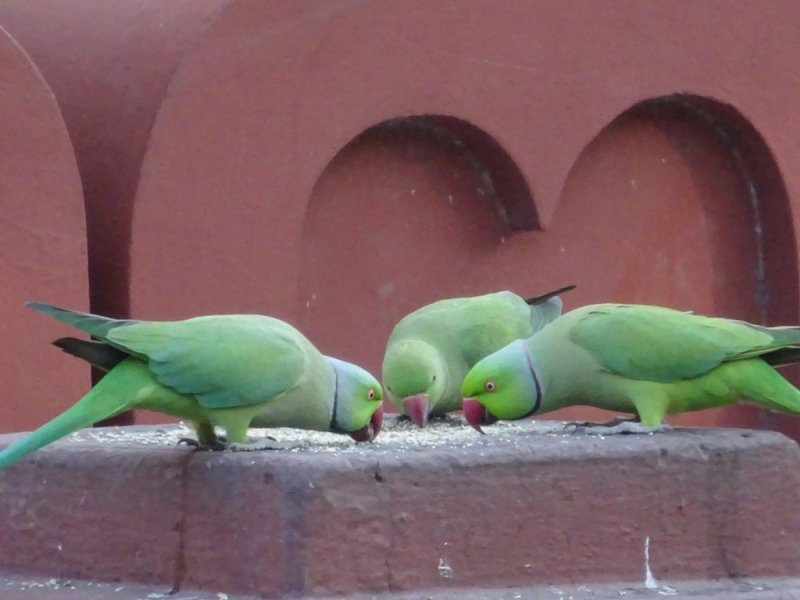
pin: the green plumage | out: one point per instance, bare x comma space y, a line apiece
646, 360
432, 349
219, 370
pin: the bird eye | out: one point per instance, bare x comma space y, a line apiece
371, 394
489, 386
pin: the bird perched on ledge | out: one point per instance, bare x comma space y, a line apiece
431, 349
646, 360
219, 370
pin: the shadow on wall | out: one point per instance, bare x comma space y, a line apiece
678, 201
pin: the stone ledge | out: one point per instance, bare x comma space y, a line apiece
20, 588
512, 508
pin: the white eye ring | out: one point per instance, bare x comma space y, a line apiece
489, 386
371, 394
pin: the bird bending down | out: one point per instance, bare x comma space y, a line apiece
430, 350
228, 371
646, 360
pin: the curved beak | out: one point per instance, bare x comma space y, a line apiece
416, 407
371, 430
476, 414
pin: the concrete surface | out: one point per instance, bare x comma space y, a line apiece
512, 508
18, 588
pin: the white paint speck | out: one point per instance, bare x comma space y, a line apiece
650, 582
444, 569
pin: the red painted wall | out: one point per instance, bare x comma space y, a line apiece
338, 164
42, 244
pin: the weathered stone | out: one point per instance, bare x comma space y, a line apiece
520, 510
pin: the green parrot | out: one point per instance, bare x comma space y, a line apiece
647, 360
431, 349
219, 370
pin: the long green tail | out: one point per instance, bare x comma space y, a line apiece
115, 393
92, 324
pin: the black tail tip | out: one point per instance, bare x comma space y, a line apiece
544, 298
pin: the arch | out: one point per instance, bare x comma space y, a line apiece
42, 246
403, 215
691, 185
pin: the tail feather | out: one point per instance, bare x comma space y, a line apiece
534, 300
94, 325
97, 354
782, 357
765, 386
113, 394
786, 336
546, 308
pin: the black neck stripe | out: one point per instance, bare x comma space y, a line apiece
538, 402
334, 426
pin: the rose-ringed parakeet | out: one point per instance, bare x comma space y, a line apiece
431, 349
219, 370
647, 360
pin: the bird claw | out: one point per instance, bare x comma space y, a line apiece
445, 419
625, 427
578, 425
265, 443
216, 446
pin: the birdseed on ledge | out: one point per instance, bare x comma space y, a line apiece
396, 433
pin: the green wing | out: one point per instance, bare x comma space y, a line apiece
468, 327
489, 335
652, 343
224, 361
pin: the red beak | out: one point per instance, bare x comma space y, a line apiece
417, 407
371, 430
476, 414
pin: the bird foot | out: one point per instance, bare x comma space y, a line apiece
631, 427
610, 423
265, 443
446, 419
216, 446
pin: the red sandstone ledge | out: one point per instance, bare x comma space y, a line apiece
20, 588
509, 509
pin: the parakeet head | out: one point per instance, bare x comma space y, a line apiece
357, 402
415, 378
503, 385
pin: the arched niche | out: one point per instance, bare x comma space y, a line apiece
42, 246
679, 201
405, 214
